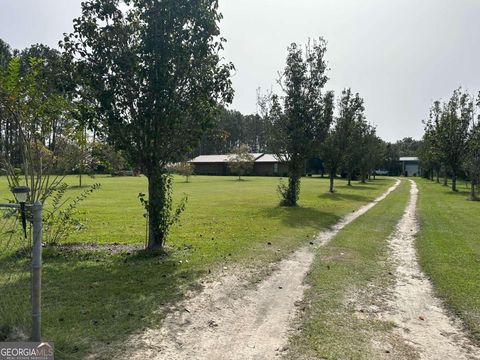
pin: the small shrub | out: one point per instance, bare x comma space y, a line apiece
184, 169
59, 219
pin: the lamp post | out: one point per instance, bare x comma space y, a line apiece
21, 195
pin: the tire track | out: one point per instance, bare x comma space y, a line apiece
227, 321
420, 317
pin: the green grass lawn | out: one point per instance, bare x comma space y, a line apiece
350, 272
449, 249
95, 298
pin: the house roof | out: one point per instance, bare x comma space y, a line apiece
409, 158
218, 158
267, 158
210, 159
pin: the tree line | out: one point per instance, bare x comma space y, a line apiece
451, 142
38, 102
232, 129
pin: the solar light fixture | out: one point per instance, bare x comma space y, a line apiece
21, 194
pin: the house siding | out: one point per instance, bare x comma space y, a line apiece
210, 169
268, 169
259, 169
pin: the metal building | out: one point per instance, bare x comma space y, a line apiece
410, 166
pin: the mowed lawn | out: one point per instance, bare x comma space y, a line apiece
95, 298
449, 248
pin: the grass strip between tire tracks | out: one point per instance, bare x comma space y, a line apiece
347, 276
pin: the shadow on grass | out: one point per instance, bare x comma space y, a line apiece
15, 305
357, 187
460, 193
21, 254
300, 216
339, 196
462, 189
304, 216
90, 297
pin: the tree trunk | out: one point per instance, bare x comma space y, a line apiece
54, 136
332, 181
296, 168
437, 173
80, 180
158, 210
349, 178
291, 198
473, 194
454, 181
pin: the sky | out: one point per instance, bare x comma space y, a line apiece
400, 55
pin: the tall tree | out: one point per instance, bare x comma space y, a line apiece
342, 147
301, 123
351, 123
371, 152
331, 152
106, 159
28, 107
429, 152
54, 71
472, 161
233, 128
452, 131
408, 146
5, 54
153, 72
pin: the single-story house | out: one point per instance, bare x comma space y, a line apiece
214, 164
264, 165
410, 166
269, 165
